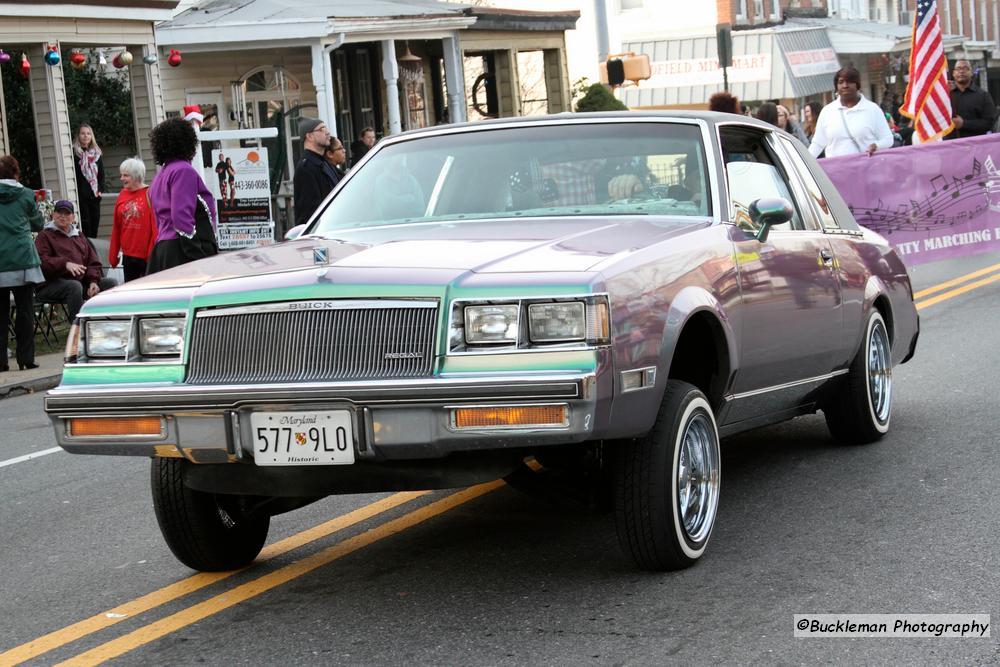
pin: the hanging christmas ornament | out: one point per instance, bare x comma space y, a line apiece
25, 65
77, 59
52, 56
101, 60
4, 57
149, 59
125, 57
174, 59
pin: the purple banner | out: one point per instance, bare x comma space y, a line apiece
932, 201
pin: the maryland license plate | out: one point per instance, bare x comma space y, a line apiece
302, 438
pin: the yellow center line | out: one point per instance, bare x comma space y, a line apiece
267, 582
955, 281
955, 292
88, 626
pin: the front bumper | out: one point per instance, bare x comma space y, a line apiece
398, 419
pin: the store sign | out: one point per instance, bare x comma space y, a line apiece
706, 71
812, 62
240, 180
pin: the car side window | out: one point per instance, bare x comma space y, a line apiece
753, 172
817, 202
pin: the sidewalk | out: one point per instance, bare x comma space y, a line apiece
46, 376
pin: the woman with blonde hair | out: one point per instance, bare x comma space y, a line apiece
90, 180
133, 232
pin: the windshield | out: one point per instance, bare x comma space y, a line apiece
550, 170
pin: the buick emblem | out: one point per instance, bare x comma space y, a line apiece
402, 355
321, 255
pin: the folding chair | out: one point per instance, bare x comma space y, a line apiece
47, 315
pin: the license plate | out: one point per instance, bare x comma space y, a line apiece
302, 438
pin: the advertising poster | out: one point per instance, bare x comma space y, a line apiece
241, 184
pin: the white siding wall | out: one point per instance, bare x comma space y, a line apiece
55, 153
202, 71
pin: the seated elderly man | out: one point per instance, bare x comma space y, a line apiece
71, 267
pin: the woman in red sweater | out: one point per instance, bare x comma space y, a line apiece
134, 230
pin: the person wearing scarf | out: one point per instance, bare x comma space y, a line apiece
90, 182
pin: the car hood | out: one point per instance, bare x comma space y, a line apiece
488, 246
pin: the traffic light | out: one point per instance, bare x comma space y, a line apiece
622, 67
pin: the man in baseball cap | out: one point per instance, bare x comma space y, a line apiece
71, 267
314, 177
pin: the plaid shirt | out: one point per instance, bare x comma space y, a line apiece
574, 182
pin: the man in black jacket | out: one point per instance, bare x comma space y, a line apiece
972, 109
314, 177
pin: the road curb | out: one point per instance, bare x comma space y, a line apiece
30, 386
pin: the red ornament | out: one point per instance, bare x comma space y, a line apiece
25, 65
77, 59
174, 59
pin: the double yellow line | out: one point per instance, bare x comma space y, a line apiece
961, 285
243, 592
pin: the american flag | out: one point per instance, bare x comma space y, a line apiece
928, 100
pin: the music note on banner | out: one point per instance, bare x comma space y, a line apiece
958, 187
977, 169
935, 187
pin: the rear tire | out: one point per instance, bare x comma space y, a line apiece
667, 483
860, 411
205, 531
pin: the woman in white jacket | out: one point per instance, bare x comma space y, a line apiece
850, 124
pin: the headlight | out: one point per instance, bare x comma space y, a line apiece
108, 338
555, 322
491, 324
161, 336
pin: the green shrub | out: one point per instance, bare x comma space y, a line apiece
598, 98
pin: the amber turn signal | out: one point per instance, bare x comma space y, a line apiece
511, 416
110, 426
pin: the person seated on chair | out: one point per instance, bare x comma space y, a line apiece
71, 267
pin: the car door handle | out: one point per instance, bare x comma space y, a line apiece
826, 256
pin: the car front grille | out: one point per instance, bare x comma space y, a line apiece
307, 341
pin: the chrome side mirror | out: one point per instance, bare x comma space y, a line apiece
767, 212
294, 232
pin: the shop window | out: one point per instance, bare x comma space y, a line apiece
531, 79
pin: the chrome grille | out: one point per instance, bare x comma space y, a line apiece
305, 341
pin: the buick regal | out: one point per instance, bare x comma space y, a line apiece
610, 290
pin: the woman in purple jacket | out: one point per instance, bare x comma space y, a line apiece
183, 205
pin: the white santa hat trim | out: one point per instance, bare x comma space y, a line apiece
193, 113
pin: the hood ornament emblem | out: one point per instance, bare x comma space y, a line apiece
321, 255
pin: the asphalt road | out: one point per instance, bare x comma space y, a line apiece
908, 525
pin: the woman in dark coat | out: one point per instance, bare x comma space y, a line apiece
19, 263
90, 181
183, 205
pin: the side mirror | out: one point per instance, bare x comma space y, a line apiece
767, 212
294, 232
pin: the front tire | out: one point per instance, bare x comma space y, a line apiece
860, 411
667, 483
205, 531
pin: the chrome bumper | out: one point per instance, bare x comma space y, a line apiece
399, 419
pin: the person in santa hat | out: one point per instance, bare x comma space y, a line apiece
192, 114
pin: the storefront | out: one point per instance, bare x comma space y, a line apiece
388, 66
793, 65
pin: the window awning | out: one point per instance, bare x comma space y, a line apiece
856, 36
774, 63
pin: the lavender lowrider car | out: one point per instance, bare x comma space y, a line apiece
610, 290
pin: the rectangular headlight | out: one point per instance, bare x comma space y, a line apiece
108, 338
491, 324
556, 322
161, 336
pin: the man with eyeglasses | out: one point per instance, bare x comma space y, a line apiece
314, 177
972, 109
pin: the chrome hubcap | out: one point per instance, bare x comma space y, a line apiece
879, 373
698, 478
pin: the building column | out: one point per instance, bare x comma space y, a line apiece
390, 73
322, 78
557, 81
147, 104
454, 74
52, 130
